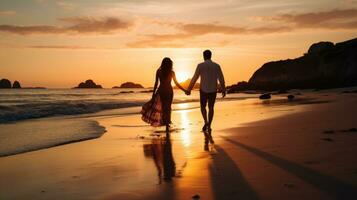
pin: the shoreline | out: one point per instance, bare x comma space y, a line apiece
24, 126
261, 150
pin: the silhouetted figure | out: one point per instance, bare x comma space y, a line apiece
160, 150
157, 111
209, 72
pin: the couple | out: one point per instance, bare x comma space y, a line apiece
157, 111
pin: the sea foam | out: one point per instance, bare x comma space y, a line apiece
33, 135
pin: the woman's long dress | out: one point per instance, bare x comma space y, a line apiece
157, 111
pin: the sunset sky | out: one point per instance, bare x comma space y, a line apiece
59, 43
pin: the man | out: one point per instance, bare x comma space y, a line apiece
209, 72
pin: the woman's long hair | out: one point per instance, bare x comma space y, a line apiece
166, 66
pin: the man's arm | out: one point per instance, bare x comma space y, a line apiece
194, 78
221, 81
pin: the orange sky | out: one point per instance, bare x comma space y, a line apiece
58, 43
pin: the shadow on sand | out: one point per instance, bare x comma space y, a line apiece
331, 185
227, 180
160, 150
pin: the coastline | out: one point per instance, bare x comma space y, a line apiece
267, 148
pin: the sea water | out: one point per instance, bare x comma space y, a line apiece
33, 119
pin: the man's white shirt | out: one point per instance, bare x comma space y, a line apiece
209, 72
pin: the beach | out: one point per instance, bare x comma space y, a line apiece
271, 149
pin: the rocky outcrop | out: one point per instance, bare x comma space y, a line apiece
325, 65
320, 47
240, 86
16, 85
88, 84
5, 83
129, 85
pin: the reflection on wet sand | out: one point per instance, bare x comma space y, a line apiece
160, 150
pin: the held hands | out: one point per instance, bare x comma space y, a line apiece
187, 92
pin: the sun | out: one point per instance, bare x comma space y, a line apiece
182, 67
182, 76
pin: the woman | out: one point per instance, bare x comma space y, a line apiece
157, 111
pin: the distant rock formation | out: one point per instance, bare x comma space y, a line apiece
186, 83
129, 85
16, 85
88, 84
5, 83
325, 65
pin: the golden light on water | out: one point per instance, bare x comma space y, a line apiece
185, 133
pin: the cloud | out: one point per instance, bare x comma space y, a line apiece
350, 2
59, 47
65, 5
70, 47
42, 2
7, 12
189, 31
76, 25
151, 43
201, 29
333, 19
102, 25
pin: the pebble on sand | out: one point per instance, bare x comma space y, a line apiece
353, 129
265, 96
289, 185
291, 97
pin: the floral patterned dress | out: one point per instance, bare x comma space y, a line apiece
157, 112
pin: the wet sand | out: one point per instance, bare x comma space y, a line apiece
262, 150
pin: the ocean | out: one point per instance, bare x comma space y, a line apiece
34, 119
23, 104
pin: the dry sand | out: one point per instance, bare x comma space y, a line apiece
274, 149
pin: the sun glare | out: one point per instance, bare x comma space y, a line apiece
182, 68
182, 76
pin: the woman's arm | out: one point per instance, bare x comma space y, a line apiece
156, 83
176, 82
